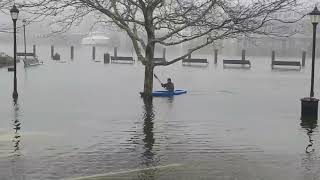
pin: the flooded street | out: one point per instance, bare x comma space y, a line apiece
85, 120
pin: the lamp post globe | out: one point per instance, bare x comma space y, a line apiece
314, 15
14, 11
14, 15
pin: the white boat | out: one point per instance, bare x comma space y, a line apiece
95, 38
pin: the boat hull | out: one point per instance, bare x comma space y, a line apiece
167, 93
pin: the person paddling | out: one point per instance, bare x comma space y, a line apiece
169, 85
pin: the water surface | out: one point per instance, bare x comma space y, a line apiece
85, 119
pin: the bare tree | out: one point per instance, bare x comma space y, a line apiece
170, 22
5, 6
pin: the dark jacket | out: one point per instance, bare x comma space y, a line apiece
169, 86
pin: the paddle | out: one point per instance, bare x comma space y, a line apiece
157, 78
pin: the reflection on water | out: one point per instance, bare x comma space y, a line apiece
170, 100
310, 159
148, 133
17, 163
148, 154
309, 125
16, 127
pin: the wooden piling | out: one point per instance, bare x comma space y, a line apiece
72, 52
303, 58
106, 58
215, 56
273, 56
34, 50
93, 52
189, 56
243, 55
52, 51
115, 52
164, 53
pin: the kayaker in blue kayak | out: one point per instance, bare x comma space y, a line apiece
169, 85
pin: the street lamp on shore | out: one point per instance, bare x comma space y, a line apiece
14, 15
309, 105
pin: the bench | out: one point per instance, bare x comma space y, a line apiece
159, 59
194, 60
286, 63
242, 62
10, 69
25, 54
121, 58
190, 61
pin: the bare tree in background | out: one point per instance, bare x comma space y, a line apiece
170, 22
5, 6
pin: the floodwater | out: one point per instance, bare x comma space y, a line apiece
85, 120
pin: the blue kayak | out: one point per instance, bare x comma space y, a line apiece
167, 93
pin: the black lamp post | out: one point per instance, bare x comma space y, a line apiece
309, 105
14, 15
24, 22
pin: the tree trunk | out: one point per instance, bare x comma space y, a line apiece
148, 79
148, 71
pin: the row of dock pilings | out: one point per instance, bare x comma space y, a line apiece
107, 56
93, 53
54, 54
